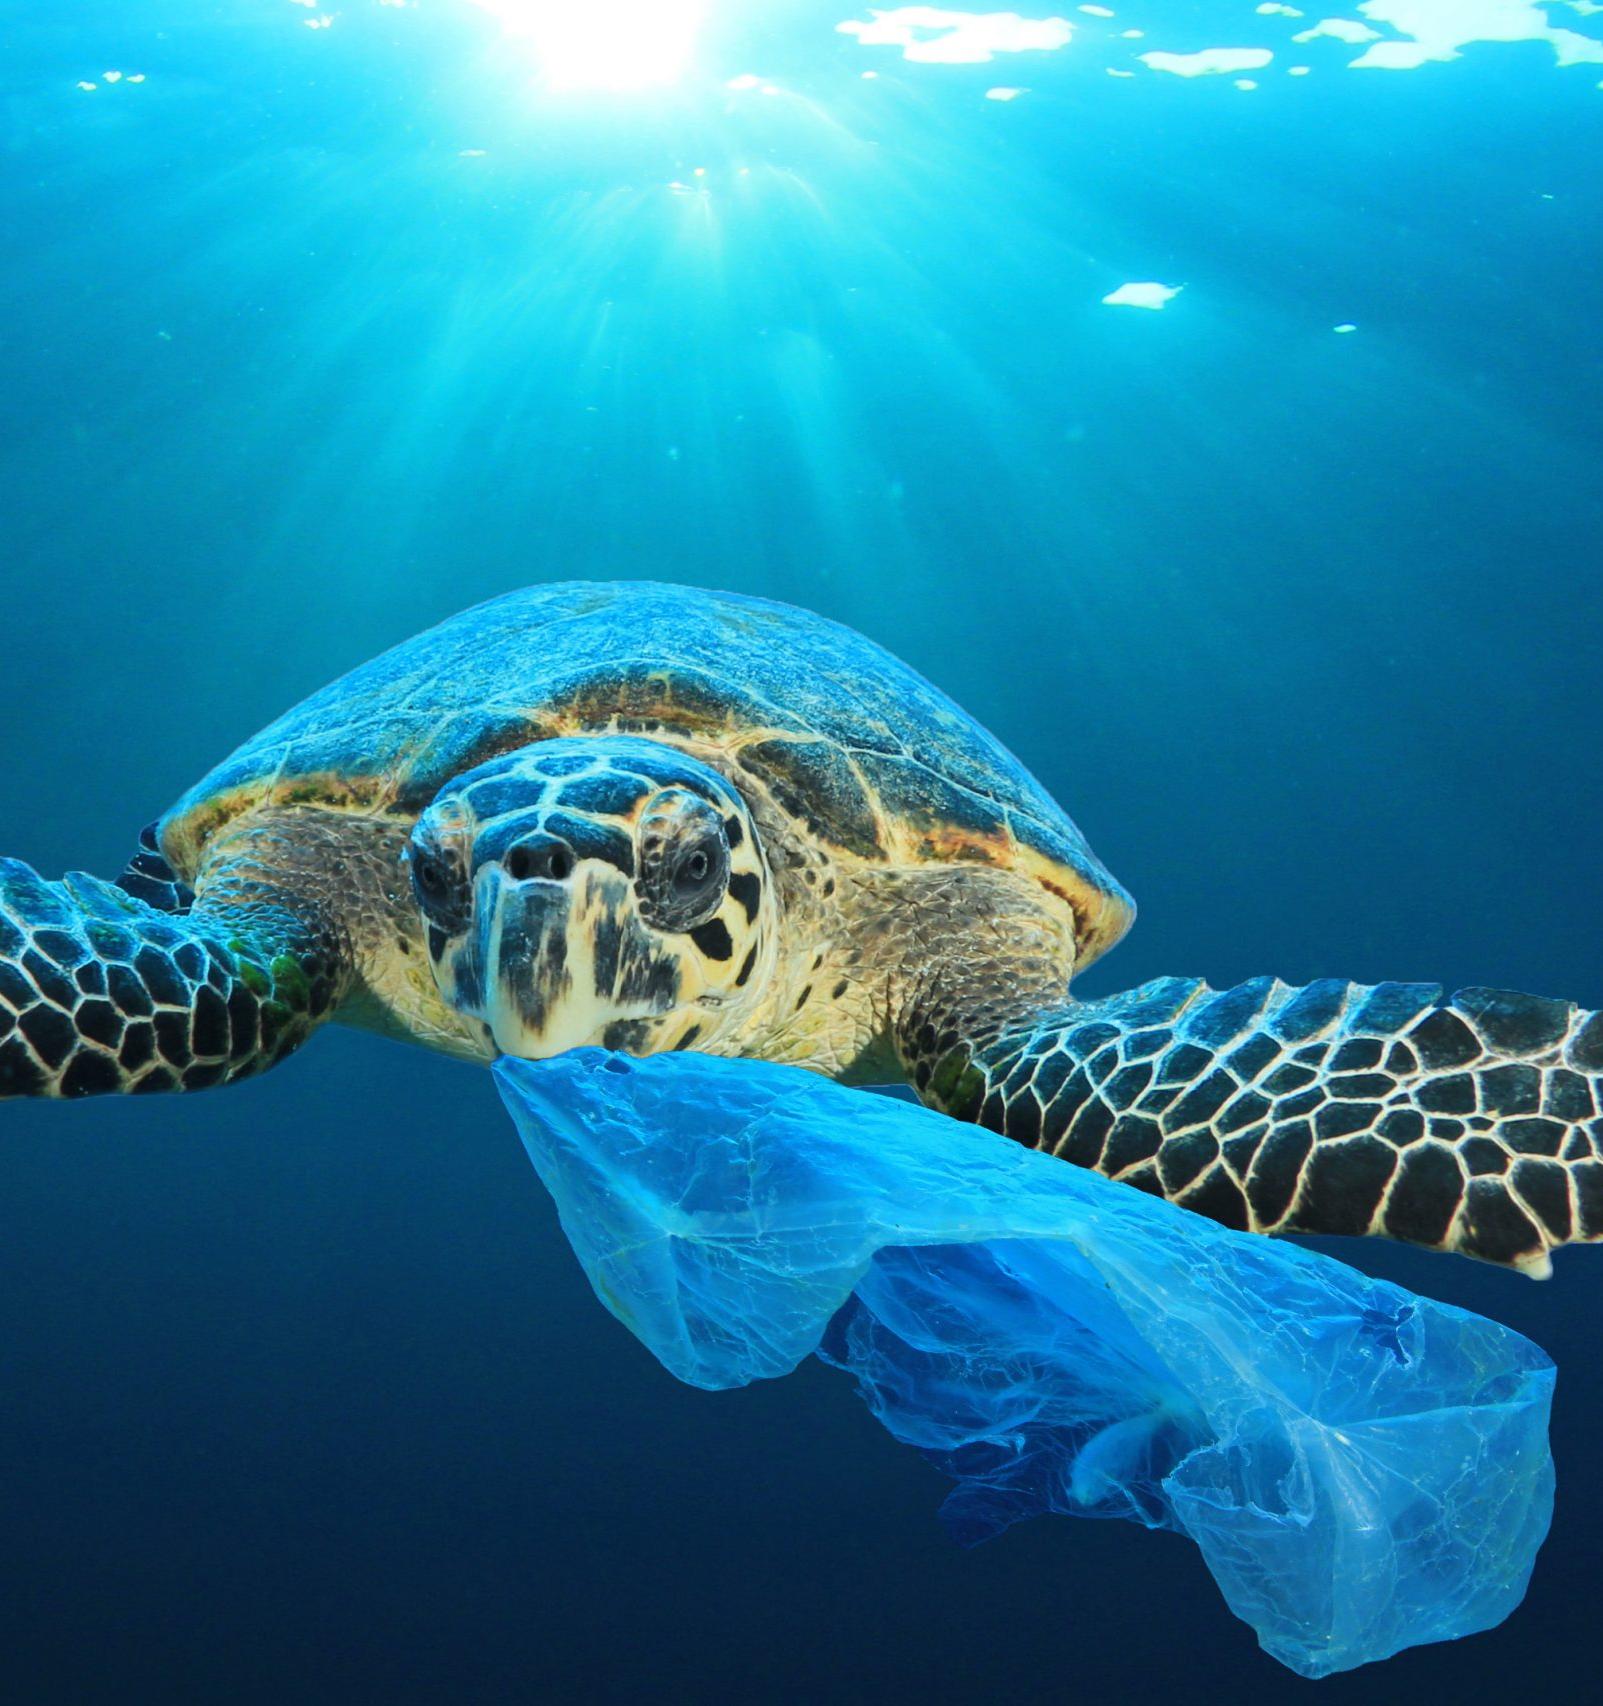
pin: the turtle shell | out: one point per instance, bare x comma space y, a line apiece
852, 742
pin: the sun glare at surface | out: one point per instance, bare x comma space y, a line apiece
604, 44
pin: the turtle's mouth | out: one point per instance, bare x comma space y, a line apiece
525, 951
551, 965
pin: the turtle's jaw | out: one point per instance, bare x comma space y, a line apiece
523, 946
552, 965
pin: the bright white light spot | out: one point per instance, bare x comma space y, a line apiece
1004, 94
1273, 9
111, 76
1245, 83
1113, 71
746, 80
1396, 56
1342, 29
321, 22
1142, 295
1345, 326
1440, 28
1096, 11
303, 2
604, 44
83, 85
1210, 62
137, 77
470, 154
1297, 70
1132, 35
930, 35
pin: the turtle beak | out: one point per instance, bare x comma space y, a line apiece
523, 940
564, 960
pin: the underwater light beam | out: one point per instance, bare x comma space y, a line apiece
604, 44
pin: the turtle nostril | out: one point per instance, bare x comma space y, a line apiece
551, 860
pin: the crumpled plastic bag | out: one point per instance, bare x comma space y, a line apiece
1362, 1468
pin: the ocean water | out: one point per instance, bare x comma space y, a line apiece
321, 321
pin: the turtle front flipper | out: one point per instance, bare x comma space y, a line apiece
150, 878
1470, 1125
102, 992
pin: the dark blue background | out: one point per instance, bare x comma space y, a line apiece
302, 1397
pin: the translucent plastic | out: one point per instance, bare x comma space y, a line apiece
1363, 1469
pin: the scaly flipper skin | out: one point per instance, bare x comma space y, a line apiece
148, 877
1472, 1125
100, 992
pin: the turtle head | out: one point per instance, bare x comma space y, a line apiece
594, 890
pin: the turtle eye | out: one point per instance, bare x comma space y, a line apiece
436, 883
684, 862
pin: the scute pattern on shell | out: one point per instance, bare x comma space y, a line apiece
864, 751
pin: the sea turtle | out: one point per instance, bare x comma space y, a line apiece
652, 818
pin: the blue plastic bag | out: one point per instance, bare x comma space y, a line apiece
1363, 1469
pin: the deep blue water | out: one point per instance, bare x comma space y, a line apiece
316, 335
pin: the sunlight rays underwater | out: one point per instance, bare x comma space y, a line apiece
735, 277
801, 306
